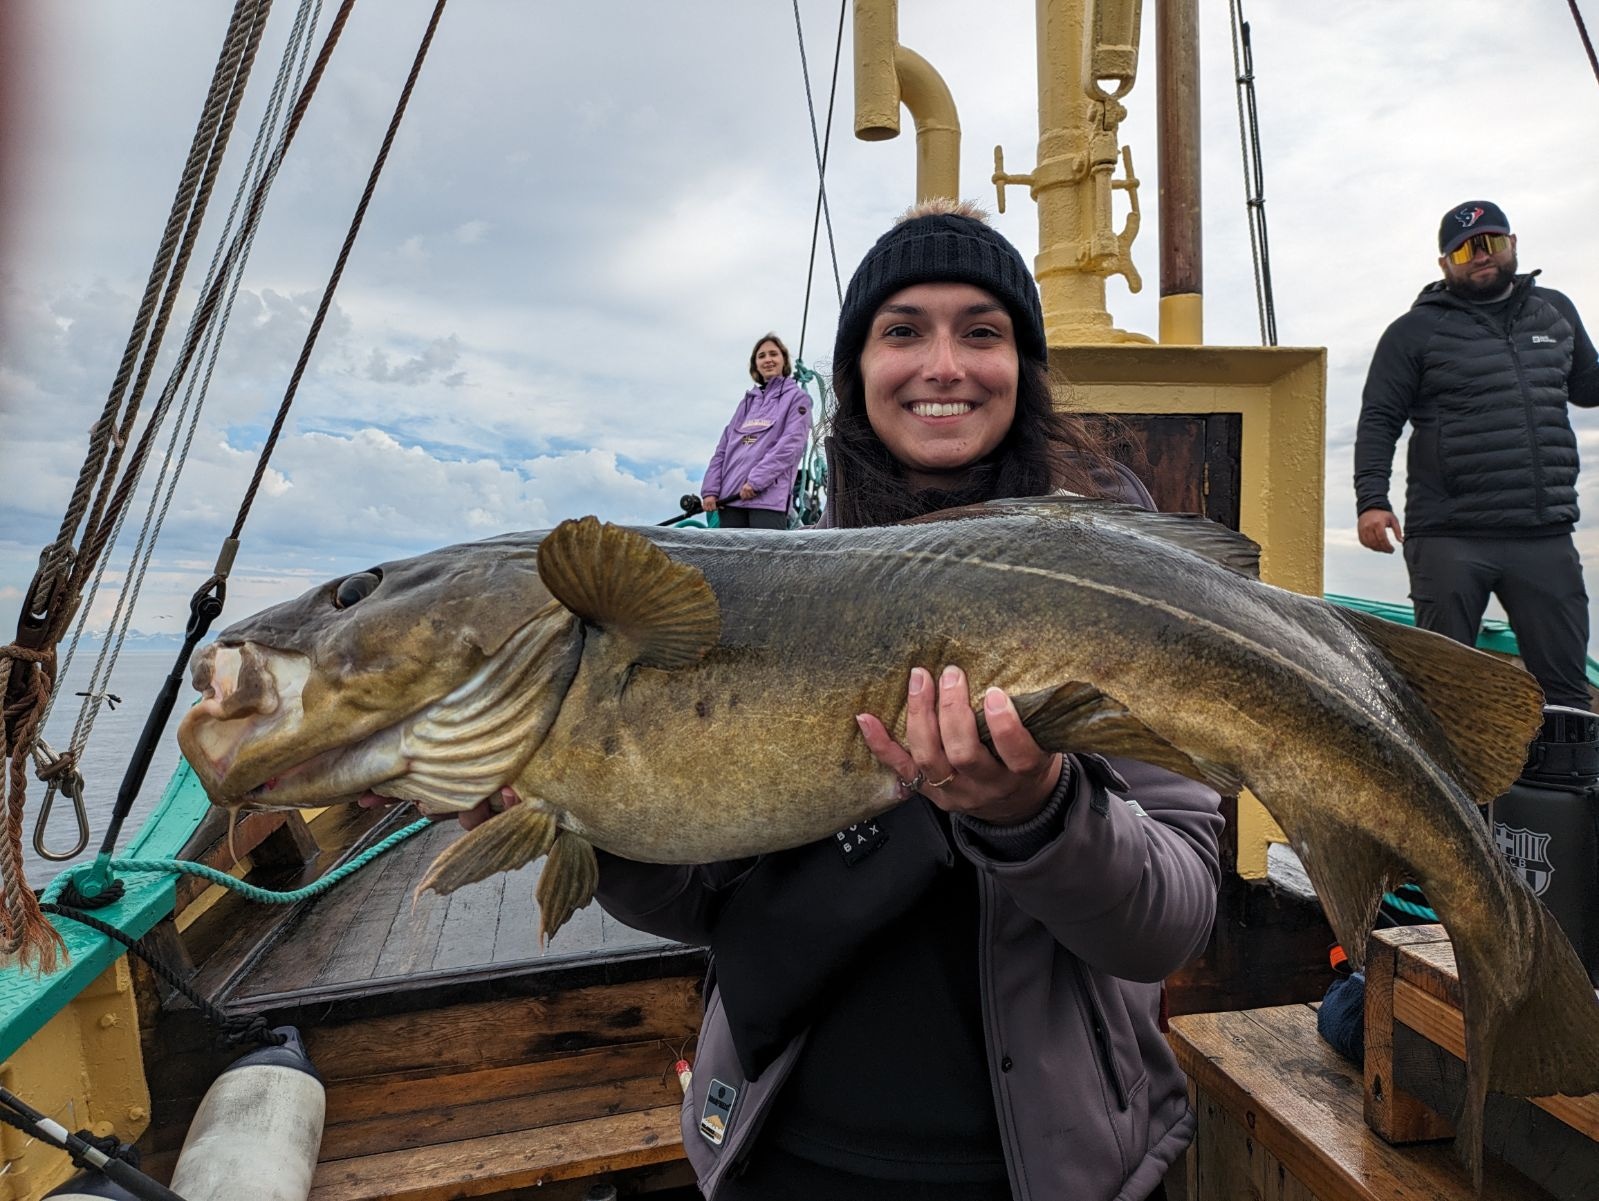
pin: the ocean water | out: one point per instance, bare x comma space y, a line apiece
136, 678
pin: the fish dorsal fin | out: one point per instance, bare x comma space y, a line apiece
1079, 717
621, 582
1489, 709
1192, 532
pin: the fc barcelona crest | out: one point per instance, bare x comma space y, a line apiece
1528, 853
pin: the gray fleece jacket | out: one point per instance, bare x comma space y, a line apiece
1083, 911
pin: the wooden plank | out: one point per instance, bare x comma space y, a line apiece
1271, 1073
469, 925
1558, 1159
477, 1167
387, 1096
1393, 1113
1442, 1024
483, 1113
510, 1030
517, 939
357, 951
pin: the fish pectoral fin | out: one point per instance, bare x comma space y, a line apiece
1079, 717
567, 883
1488, 708
503, 843
620, 581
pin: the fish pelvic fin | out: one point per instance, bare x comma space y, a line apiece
1079, 717
1488, 708
1193, 532
567, 883
503, 843
621, 582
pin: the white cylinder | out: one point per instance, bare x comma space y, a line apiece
258, 1130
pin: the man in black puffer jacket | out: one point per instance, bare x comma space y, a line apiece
1483, 367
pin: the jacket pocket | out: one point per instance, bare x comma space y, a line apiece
1116, 1045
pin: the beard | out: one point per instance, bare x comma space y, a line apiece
1490, 288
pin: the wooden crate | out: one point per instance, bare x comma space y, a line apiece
1280, 1119
1415, 1071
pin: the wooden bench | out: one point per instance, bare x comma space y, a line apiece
1415, 1071
1281, 1118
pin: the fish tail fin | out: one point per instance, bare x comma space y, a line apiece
566, 884
503, 843
1542, 1039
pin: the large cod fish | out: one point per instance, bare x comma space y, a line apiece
678, 696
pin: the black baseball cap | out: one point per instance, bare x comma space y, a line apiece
1468, 220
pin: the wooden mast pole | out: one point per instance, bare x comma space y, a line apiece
1177, 131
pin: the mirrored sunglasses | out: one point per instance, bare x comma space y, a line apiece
1488, 243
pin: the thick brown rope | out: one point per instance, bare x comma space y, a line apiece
24, 932
94, 466
252, 218
97, 530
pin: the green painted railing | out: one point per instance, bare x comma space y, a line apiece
29, 1000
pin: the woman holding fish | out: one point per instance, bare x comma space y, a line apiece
759, 453
959, 999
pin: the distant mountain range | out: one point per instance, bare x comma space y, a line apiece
137, 640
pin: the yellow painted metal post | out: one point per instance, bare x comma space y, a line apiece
888, 74
1077, 156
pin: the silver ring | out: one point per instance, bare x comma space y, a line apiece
915, 783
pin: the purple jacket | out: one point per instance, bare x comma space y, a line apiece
1083, 911
762, 446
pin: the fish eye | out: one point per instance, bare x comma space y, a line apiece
356, 588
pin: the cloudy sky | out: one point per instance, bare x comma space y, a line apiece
592, 211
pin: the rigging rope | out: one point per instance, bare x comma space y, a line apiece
1582, 32
821, 148
1254, 172
54, 594
259, 166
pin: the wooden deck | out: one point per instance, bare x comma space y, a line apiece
376, 927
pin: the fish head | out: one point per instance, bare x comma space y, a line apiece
429, 679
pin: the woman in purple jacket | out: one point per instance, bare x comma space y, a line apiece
750, 479
958, 1001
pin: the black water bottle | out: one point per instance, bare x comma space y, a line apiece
1547, 825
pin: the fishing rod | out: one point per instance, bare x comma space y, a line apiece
17, 1112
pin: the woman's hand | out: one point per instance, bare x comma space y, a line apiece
954, 769
747, 492
708, 503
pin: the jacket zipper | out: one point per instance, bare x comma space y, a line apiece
1107, 1053
985, 947
1529, 416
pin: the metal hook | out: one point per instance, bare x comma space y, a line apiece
49, 767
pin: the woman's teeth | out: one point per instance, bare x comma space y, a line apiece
936, 408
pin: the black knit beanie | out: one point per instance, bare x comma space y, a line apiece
940, 248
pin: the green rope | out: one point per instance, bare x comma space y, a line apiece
59, 884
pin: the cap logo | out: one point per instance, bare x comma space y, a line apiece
1468, 217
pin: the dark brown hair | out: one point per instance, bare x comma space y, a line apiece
788, 363
1044, 450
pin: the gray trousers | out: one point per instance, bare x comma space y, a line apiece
1537, 580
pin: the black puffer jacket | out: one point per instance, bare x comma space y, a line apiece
1485, 389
